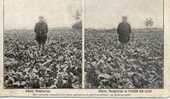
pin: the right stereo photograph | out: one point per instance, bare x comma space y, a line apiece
124, 44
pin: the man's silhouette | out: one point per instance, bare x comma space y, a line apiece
41, 30
124, 31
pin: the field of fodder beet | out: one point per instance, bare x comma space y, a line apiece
58, 66
140, 65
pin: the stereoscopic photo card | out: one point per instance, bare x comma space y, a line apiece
85, 48
124, 44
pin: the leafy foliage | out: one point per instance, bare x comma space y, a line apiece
58, 66
140, 65
149, 22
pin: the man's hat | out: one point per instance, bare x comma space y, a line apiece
124, 17
41, 17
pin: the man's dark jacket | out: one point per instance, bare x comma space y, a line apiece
41, 29
124, 30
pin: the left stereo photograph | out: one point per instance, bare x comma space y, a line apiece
42, 46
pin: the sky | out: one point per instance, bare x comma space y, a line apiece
108, 13
23, 14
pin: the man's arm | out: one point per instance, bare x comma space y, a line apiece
35, 28
46, 28
117, 35
118, 29
130, 31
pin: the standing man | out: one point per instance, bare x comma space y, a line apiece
124, 31
41, 30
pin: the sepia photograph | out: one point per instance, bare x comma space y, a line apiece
42, 45
85, 48
124, 44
